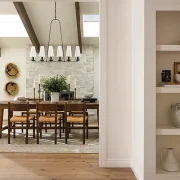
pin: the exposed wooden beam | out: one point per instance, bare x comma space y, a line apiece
27, 24
78, 24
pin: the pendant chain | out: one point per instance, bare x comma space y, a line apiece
55, 10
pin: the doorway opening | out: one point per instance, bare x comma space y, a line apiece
84, 75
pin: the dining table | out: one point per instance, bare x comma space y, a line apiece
32, 105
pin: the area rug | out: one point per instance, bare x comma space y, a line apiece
46, 144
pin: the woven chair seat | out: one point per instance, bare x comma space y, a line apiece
76, 119
21, 118
48, 119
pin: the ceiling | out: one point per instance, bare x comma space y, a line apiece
42, 13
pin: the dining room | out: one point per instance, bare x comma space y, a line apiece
49, 93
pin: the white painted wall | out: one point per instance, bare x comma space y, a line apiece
138, 88
144, 89
18, 57
116, 83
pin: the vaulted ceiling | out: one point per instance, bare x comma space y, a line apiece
42, 13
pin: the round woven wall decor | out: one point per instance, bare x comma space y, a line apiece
11, 70
11, 88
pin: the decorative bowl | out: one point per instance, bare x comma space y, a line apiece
88, 95
177, 77
20, 99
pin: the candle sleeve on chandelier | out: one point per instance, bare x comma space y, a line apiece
77, 52
59, 51
42, 52
50, 51
68, 51
33, 52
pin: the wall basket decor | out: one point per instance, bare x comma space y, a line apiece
11, 88
11, 70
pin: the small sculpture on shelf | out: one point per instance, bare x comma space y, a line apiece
175, 113
166, 76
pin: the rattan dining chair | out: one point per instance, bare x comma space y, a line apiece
42, 120
79, 119
52, 113
31, 113
15, 121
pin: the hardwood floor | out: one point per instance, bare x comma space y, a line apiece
23, 166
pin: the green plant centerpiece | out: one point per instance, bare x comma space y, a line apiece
54, 85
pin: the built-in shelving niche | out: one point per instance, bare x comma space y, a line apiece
167, 52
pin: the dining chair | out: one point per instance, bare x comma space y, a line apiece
52, 113
41, 120
14, 121
77, 113
31, 112
80, 119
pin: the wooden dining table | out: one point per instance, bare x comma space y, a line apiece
32, 105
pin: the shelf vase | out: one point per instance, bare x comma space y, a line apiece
176, 115
54, 96
168, 161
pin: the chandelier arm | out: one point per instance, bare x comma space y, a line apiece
61, 38
55, 19
49, 39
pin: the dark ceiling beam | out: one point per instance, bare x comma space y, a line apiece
78, 19
27, 24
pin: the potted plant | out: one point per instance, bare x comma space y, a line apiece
55, 85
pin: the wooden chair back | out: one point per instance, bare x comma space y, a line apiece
81, 107
78, 107
17, 107
46, 107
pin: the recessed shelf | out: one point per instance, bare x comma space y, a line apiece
168, 48
168, 89
160, 171
167, 130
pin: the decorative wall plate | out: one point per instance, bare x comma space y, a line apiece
11, 88
11, 70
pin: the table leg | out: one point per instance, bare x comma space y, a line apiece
1, 121
11, 115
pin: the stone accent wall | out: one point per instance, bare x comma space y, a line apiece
83, 71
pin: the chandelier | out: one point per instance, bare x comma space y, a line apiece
60, 55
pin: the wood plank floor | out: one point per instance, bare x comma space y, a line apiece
23, 166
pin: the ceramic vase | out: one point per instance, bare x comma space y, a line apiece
54, 96
176, 115
168, 161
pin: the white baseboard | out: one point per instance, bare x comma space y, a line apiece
115, 163
136, 174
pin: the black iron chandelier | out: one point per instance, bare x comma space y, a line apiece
49, 55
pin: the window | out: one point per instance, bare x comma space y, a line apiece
12, 26
91, 25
